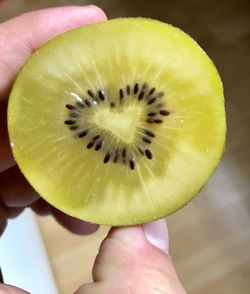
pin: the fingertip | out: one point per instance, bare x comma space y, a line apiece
26, 33
41, 207
8, 289
52, 22
70, 17
3, 219
74, 225
15, 190
157, 234
96, 13
128, 254
13, 212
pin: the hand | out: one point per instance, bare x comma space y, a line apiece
131, 259
134, 260
19, 38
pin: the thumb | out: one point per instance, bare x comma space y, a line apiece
21, 36
7, 289
134, 260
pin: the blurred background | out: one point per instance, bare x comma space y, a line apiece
210, 238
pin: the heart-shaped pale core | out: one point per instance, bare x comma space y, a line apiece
122, 122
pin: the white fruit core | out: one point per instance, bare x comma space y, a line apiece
122, 123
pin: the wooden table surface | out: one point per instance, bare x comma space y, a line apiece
210, 238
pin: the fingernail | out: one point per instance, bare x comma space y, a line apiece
157, 234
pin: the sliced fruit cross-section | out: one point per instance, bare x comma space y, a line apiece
118, 123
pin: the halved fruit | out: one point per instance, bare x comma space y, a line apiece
118, 123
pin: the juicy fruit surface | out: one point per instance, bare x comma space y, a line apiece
87, 83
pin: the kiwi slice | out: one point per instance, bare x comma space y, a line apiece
118, 123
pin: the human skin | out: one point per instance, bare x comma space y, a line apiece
131, 259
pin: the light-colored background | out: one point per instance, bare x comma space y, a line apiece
210, 238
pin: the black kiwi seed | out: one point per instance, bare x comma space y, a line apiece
124, 152
151, 101
148, 154
141, 151
106, 158
90, 144
145, 85
91, 94
151, 91
121, 92
164, 112
112, 104
141, 96
74, 128
69, 122
98, 146
88, 103
158, 121
136, 88
146, 140
149, 120
149, 133
101, 94
132, 164
128, 89
70, 106
152, 113
96, 137
161, 94
83, 134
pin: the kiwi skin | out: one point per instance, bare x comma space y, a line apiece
105, 213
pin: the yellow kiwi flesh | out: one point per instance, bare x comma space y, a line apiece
96, 148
